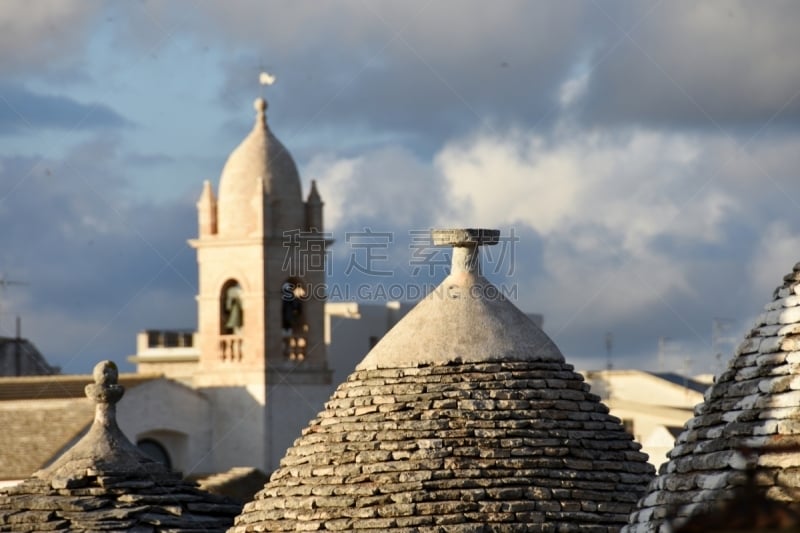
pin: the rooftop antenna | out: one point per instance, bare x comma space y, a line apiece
721, 340
687, 369
609, 349
4, 284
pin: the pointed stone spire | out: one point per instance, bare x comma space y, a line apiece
314, 209
313, 194
207, 211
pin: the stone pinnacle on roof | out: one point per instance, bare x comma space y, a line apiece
465, 319
752, 407
464, 418
106, 483
104, 444
465, 243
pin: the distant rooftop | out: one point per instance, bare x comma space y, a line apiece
683, 381
19, 357
58, 387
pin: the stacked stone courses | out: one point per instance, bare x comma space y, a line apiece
146, 500
748, 421
509, 446
490, 431
104, 483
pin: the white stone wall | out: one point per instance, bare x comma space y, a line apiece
237, 426
174, 415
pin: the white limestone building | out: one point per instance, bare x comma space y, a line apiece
257, 363
653, 406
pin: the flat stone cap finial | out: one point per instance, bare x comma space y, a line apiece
465, 237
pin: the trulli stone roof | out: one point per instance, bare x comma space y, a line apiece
464, 417
751, 411
105, 483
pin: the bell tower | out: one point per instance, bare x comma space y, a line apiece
261, 256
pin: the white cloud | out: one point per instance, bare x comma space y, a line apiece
631, 188
332, 176
494, 180
613, 212
639, 222
389, 188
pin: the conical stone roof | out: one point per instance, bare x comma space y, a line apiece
748, 423
104, 483
465, 417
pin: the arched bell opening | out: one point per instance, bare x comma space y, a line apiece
231, 309
294, 328
231, 320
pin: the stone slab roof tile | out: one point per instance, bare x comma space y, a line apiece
748, 422
484, 428
32, 437
58, 386
104, 483
389, 452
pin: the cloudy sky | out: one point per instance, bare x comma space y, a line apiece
646, 155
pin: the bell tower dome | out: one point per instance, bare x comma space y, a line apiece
259, 189
261, 261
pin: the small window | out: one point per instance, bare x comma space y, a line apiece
155, 451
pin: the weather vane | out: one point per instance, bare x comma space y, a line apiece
265, 78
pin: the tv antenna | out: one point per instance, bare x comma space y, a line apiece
609, 350
4, 284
